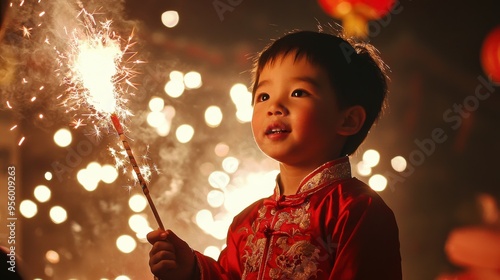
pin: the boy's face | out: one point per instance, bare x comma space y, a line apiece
296, 116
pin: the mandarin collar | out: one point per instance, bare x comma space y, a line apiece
325, 174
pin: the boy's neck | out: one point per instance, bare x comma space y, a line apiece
291, 177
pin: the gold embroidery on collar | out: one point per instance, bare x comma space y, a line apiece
335, 172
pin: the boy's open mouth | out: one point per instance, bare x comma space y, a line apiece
276, 130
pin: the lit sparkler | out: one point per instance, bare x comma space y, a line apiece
97, 80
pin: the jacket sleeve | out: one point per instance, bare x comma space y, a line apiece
227, 267
367, 240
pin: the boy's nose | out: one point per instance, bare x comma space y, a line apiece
277, 109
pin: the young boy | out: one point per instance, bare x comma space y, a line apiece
316, 96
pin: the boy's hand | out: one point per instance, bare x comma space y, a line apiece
170, 257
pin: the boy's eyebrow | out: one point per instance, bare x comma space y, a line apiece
307, 79
261, 82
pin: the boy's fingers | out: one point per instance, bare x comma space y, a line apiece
159, 255
161, 266
156, 235
172, 237
162, 246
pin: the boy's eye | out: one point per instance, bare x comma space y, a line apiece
299, 93
262, 97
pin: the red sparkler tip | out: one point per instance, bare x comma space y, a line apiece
116, 123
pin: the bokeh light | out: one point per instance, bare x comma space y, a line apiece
58, 214
212, 252
28, 208
42, 193
244, 114
162, 121
192, 80
371, 158
156, 104
108, 174
137, 203
377, 182
176, 76
363, 169
398, 163
126, 243
230, 164
86, 179
213, 116
242, 99
204, 219
174, 88
170, 18
184, 133
63, 137
238, 94
138, 223
221, 149
218, 179
48, 176
215, 198
95, 169
156, 119
52, 256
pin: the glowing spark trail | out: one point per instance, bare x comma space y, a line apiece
95, 77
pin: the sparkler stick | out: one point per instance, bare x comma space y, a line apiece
142, 182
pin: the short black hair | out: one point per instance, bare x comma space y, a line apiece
355, 69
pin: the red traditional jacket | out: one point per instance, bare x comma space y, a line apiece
335, 228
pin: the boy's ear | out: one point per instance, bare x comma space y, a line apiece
353, 119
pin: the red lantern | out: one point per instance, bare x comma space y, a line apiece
490, 55
355, 14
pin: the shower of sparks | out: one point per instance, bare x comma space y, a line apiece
128, 188
77, 123
26, 31
146, 172
99, 68
121, 158
156, 169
